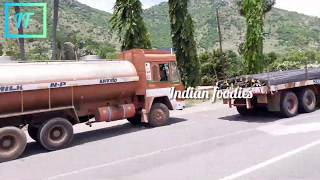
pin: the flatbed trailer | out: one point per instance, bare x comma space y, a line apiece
287, 92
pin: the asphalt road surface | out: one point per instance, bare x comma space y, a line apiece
206, 142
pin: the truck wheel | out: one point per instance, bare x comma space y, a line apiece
307, 100
13, 142
244, 111
159, 115
55, 134
33, 132
136, 120
289, 104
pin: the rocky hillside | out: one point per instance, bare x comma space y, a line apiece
284, 30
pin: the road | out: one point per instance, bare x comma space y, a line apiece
206, 142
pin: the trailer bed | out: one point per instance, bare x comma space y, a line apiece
271, 78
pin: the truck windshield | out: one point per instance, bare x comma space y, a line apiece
164, 72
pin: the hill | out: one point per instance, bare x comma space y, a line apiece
285, 30
76, 21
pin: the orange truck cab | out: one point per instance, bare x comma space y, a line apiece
158, 76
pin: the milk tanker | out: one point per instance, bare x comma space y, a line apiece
49, 98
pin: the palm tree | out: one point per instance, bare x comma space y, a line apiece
20, 31
54, 28
127, 20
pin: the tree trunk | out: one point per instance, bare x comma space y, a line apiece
20, 31
54, 29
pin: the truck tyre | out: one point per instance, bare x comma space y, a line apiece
307, 100
33, 132
57, 133
289, 104
13, 142
136, 120
244, 111
159, 115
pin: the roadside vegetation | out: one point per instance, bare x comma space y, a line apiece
188, 27
213, 69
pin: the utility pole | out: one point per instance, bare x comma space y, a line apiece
216, 6
219, 28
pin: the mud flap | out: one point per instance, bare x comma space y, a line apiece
144, 116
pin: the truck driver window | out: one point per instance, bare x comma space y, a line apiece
164, 72
175, 72
155, 73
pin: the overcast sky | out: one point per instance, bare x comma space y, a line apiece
309, 7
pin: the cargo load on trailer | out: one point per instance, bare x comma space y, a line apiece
271, 78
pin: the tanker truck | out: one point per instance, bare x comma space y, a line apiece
46, 99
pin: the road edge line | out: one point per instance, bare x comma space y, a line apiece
271, 161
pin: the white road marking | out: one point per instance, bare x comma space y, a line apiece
170, 148
280, 129
270, 161
148, 154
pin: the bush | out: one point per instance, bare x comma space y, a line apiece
284, 66
293, 60
216, 66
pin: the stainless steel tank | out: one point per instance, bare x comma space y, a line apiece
84, 85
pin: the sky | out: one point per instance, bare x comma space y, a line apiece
107, 5
308, 7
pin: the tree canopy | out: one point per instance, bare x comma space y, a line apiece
254, 11
128, 22
182, 30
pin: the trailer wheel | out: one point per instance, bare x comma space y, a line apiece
136, 120
307, 100
13, 142
243, 110
55, 134
33, 132
289, 104
159, 115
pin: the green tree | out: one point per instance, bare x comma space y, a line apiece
20, 31
39, 52
182, 31
127, 21
254, 11
217, 66
293, 60
54, 29
1, 49
107, 51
